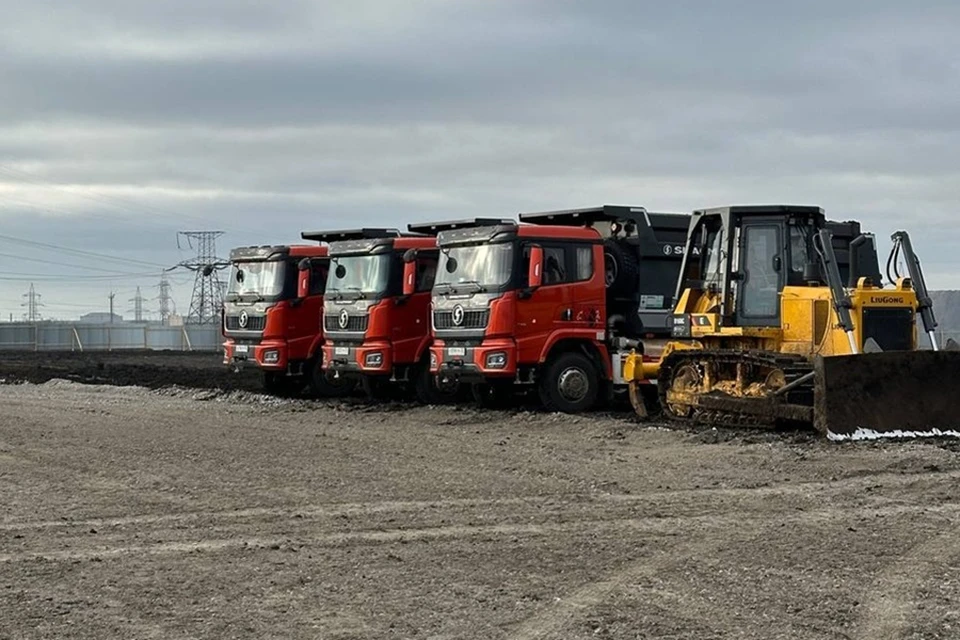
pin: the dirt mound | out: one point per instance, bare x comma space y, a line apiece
150, 369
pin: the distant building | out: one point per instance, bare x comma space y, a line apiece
100, 317
175, 320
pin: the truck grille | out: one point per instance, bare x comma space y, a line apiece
254, 323
471, 319
331, 322
891, 328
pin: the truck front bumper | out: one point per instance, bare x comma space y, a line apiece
354, 360
271, 355
474, 364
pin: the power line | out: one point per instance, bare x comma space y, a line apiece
60, 264
46, 277
80, 252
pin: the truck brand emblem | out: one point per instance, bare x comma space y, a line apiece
344, 319
458, 315
243, 319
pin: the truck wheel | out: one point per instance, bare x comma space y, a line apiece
377, 388
621, 267
495, 395
430, 390
324, 386
570, 383
278, 383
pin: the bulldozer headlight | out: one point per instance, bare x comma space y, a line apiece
271, 357
497, 360
373, 360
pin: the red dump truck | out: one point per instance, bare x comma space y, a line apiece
376, 311
554, 302
271, 317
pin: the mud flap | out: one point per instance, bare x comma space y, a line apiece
891, 394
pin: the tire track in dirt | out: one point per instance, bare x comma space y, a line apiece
572, 608
893, 598
853, 484
648, 525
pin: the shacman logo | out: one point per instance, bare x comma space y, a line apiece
458, 315
343, 319
243, 320
885, 300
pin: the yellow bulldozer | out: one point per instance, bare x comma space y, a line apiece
766, 332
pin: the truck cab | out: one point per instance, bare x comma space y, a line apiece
270, 316
549, 302
377, 330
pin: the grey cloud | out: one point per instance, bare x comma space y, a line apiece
267, 118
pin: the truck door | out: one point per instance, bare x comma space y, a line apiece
540, 314
761, 273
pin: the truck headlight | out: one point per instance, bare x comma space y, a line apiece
271, 357
433, 360
373, 360
497, 360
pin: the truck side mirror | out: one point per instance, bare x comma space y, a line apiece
303, 278
409, 278
535, 275
409, 272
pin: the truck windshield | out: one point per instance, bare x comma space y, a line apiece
479, 266
256, 280
358, 276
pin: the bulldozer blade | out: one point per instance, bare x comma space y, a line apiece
892, 394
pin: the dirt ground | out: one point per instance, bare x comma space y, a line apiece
173, 513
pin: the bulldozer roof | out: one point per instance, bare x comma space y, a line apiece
761, 210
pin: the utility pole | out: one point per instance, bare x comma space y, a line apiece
32, 304
112, 294
165, 300
137, 301
207, 299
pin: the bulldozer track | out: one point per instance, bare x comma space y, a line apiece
723, 410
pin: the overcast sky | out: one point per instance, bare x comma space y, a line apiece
123, 121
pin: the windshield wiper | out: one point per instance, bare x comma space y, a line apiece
480, 288
443, 287
359, 291
257, 296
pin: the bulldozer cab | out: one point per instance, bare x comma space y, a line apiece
739, 259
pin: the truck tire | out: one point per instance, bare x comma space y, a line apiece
495, 395
278, 383
323, 386
621, 268
570, 383
429, 390
377, 388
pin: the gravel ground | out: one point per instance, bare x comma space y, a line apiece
174, 513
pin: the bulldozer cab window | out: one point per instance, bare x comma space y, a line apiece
760, 291
712, 259
799, 252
